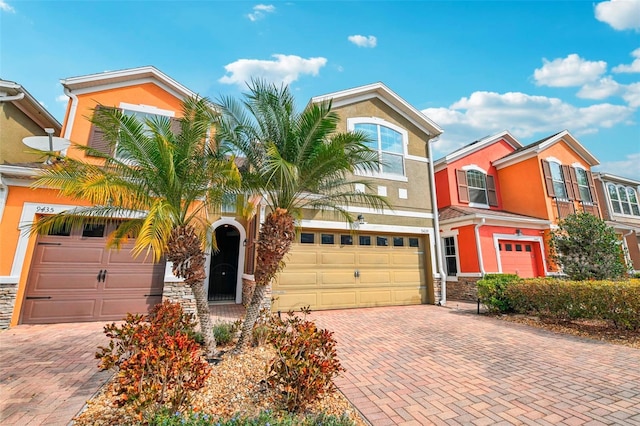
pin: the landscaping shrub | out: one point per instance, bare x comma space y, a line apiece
305, 362
265, 418
224, 332
616, 301
491, 291
157, 360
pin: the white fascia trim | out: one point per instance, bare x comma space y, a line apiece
624, 226
148, 109
498, 221
20, 171
366, 227
477, 146
387, 212
609, 178
539, 240
27, 217
449, 233
139, 81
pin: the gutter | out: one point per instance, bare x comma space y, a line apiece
71, 117
479, 249
436, 226
12, 98
627, 256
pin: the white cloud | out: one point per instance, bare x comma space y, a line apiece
620, 14
259, 11
601, 89
569, 71
525, 116
625, 168
635, 65
632, 95
285, 69
62, 98
6, 7
363, 41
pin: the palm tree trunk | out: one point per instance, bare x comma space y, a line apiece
185, 251
274, 242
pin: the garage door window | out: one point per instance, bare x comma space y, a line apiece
93, 231
414, 242
398, 242
327, 239
65, 231
307, 238
382, 241
346, 240
365, 240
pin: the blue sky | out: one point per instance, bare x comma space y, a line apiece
474, 67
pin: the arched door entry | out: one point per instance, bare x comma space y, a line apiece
223, 270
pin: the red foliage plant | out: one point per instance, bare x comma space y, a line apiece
157, 360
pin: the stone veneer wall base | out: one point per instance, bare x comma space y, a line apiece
466, 288
180, 293
7, 303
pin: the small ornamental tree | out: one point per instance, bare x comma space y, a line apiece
586, 248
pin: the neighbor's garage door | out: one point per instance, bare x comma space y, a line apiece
74, 277
330, 270
518, 257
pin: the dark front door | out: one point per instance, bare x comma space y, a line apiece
223, 271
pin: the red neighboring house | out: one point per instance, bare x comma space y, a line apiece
497, 201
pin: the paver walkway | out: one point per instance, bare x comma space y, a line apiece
413, 365
421, 365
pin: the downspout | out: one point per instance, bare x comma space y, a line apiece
436, 226
480, 261
627, 256
68, 125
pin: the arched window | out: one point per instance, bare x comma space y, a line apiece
386, 139
624, 199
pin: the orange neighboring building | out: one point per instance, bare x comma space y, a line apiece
71, 276
498, 199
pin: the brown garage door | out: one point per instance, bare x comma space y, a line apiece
330, 270
74, 277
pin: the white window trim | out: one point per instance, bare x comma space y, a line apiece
351, 122
610, 201
474, 167
453, 235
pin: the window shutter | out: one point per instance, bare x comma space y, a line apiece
546, 170
176, 128
97, 138
491, 191
463, 188
566, 174
573, 182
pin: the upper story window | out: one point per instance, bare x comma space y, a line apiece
582, 183
143, 113
388, 140
624, 199
557, 176
476, 188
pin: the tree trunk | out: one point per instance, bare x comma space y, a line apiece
274, 242
185, 251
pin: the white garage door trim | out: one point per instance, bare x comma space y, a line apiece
513, 237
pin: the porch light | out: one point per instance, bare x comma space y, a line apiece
518, 232
361, 219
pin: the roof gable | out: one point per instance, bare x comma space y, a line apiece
25, 102
476, 146
386, 95
125, 78
541, 145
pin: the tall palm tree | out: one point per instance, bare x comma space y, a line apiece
167, 175
295, 160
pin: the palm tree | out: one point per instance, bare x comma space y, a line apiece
295, 160
167, 175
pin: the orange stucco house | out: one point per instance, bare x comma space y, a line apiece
497, 201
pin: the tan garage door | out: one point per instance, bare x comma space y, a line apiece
74, 277
328, 270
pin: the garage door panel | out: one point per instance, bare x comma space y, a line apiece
297, 279
54, 311
375, 298
379, 259
117, 308
375, 277
302, 258
337, 299
407, 277
341, 278
46, 281
65, 255
407, 258
124, 257
408, 296
296, 301
338, 258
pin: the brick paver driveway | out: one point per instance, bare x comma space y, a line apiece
48, 372
421, 365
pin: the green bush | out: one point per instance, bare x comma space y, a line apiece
305, 363
491, 291
156, 359
224, 332
265, 418
616, 301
